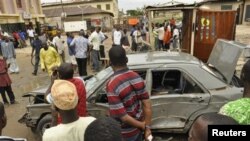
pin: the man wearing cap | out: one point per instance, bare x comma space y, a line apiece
128, 99
64, 99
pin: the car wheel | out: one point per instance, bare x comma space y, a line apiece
44, 124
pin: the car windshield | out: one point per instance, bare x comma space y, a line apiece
99, 77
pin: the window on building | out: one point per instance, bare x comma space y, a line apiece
247, 15
99, 6
19, 3
226, 7
107, 6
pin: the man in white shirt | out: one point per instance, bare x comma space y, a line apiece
64, 98
175, 37
160, 32
59, 44
31, 36
96, 39
81, 48
117, 36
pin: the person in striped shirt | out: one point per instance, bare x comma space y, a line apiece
129, 102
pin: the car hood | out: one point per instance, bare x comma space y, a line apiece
224, 57
41, 90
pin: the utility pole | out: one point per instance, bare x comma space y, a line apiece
63, 15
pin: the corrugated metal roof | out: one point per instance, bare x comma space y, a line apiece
74, 10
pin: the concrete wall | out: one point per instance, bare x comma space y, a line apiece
11, 14
106, 20
217, 6
244, 13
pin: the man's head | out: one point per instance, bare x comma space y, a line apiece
245, 77
199, 129
107, 128
65, 71
81, 33
98, 29
45, 46
117, 56
3, 119
36, 36
63, 96
6, 39
59, 34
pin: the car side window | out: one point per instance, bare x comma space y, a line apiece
173, 82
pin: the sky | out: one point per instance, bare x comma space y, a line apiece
133, 4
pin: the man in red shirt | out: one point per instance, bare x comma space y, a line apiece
65, 72
129, 102
5, 82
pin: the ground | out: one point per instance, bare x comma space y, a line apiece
25, 82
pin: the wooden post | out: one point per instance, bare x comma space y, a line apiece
151, 37
193, 32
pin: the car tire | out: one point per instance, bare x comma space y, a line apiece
44, 124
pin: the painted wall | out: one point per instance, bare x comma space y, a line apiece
217, 6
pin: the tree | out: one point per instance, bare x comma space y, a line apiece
137, 12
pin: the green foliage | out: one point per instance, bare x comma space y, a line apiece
137, 12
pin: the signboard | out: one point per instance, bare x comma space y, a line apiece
26, 15
75, 26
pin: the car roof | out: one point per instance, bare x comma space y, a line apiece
161, 57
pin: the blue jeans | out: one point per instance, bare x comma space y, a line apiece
95, 59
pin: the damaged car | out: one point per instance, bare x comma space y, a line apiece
181, 88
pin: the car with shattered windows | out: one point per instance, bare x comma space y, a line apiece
181, 88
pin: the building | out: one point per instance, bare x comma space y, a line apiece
225, 5
246, 13
202, 25
93, 16
105, 5
18, 14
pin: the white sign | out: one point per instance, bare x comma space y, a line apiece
27, 15
75, 26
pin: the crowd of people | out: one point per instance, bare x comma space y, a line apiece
129, 102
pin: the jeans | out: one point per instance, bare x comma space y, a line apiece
37, 60
10, 93
160, 44
95, 59
82, 66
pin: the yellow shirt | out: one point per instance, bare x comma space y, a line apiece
49, 58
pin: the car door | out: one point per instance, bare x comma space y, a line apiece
175, 96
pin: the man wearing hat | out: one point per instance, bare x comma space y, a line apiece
64, 99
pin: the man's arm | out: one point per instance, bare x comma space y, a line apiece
133, 122
42, 60
147, 111
57, 56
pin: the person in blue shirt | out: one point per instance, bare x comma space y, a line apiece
36, 47
71, 49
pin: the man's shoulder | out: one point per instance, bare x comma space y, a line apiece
86, 120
